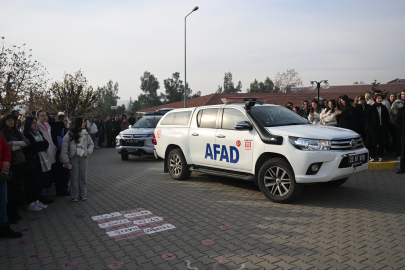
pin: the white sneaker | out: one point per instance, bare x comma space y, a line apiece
83, 199
33, 208
380, 159
40, 205
372, 159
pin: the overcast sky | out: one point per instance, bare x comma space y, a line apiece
342, 41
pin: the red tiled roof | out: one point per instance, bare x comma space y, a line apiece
281, 98
193, 102
348, 89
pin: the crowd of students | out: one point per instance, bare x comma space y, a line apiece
380, 122
38, 151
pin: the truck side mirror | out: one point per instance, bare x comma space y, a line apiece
243, 125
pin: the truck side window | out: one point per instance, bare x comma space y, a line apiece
207, 118
178, 119
230, 117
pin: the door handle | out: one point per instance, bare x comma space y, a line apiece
195, 134
220, 136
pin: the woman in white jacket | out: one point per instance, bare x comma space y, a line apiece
328, 115
77, 146
314, 113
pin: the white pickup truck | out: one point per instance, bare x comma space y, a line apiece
267, 144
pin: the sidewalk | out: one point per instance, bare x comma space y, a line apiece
390, 163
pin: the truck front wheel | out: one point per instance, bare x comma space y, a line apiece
277, 181
177, 164
124, 156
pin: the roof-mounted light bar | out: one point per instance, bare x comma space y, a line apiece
239, 100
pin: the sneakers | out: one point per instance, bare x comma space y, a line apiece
380, 159
32, 207
83, 199
7, 232
40, 205
372, 159
74, 200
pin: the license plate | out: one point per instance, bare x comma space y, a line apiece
357, 159
133, 141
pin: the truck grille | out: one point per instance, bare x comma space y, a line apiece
347, 144
125, 143
133, 136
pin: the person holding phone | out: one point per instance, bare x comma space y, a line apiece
77, 146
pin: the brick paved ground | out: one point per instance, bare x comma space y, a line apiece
357, 226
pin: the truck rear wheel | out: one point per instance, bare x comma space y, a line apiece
177, 165
277, 181
336, 183
124, 156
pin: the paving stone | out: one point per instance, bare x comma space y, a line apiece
351, 227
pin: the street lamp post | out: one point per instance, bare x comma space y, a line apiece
314, 84
185, 57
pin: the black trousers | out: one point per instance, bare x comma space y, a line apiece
109, 138
32, 185
377, 148
399, 143
402, 163
393, 132
13, 190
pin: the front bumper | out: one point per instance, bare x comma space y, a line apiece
329, 171
146, 148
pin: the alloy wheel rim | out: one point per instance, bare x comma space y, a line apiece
277, 181
175, 164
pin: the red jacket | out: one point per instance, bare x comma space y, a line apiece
5, 153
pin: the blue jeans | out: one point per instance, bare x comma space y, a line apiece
96, 142
3, 203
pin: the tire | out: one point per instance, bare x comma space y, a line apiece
277, 181
177, 164
336, 183
124, 156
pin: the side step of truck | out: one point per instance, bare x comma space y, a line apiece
224, 173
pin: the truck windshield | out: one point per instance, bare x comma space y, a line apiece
147, 122
271, 116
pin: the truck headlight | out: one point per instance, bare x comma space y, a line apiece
310, 144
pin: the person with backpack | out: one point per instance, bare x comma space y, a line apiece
16, 140
77, 146
60, 174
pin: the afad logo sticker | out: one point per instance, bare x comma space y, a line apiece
248, 145
159, 132
233, 156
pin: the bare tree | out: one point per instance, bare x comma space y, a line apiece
288, 79
21, 78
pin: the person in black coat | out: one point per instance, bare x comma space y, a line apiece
117, 128
59, 174
361, 108
132, 120
33, 168
400, 122
377, 121
109, 131
100, 132
304, 112
346, 116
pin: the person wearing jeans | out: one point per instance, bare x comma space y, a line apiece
77, 146
5, 159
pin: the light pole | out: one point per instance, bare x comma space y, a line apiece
185, 57
315, 84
